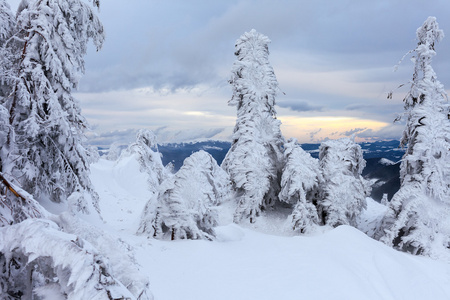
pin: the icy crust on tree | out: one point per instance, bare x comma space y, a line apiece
417, 220
38, 260
254, 160
300, 186
343, 190
50, 40
185, 206
146, 150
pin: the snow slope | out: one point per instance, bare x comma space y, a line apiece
244, 263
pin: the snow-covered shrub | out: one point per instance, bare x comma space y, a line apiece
300, 186
417, 220
343, 190
37, 261
146, 151
114, 151
185, 206
254, 160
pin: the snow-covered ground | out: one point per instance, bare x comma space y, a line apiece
263, 261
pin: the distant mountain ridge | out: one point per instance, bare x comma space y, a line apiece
177, 152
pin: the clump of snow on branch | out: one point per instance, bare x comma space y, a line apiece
38, 260
123, 265
17, 205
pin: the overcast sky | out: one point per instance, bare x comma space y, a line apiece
165, 66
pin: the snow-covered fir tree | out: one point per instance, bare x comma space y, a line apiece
254, 160
418, 216
300, 186
146, 151
343, 190
50, 41
114, 151
185, 207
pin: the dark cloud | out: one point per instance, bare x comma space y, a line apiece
300, 106
105, 139
314, 133
391, 132
354, 131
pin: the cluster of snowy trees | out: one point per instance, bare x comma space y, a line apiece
261, 171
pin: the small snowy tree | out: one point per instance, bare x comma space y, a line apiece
185, 207
114, 152
146, 150
50, 41
254, 160
343, 190
300, 186
417, 220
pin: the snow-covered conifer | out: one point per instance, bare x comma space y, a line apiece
50, 42
254, 160
417, 220
185, 206
343, 190
146, 150
300, 186
114, 152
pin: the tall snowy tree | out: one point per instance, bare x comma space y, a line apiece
50, 41
185, 207
254, 160
343, 190
418, 216
300, 186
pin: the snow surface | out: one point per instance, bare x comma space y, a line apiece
260, 261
